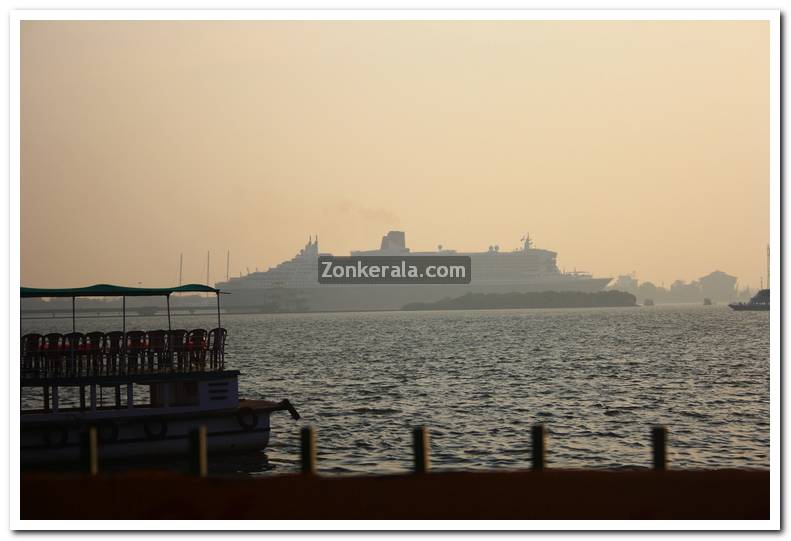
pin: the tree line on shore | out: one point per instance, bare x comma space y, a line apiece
544, 299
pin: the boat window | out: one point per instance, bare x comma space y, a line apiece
78, 398
174, 394
32, 399
185, 393
141, 395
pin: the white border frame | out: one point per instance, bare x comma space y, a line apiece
771, 16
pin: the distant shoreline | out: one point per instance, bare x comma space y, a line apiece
470, 301
545, 299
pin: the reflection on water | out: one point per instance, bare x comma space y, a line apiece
599, 378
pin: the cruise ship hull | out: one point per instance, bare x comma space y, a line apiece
335, 298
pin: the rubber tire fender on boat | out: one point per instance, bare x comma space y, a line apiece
248, 419
56, 435
107, 431
162, 428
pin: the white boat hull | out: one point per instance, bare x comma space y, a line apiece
143, 437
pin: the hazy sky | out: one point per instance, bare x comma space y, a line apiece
623, 146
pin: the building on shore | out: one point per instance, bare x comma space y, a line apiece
718, 286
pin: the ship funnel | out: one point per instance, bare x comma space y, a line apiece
394, 240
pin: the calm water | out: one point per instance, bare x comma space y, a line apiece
598, 378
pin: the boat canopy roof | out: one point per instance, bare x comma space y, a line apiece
107, 290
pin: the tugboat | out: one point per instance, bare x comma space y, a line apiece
162, 384
760, 302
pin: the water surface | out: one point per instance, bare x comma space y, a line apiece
598, 378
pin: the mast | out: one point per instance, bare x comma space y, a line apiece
181, 264
528, 242
208, 253
228, 266
767, 266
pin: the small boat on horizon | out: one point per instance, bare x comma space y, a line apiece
759, 302
162, 384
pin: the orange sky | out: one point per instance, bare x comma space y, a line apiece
624, 146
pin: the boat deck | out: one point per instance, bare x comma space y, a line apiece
120, 355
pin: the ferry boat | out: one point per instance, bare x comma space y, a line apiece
759, 302
161, 383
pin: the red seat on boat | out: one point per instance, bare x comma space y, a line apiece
135, 350
53, 354
32, 351
157, 350
178, 347
72, 345
196, 348
216, 348
93, 349
113, 350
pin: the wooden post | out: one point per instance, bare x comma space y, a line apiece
659, 444
308, 449
46, 398
89, 453
72, 345
169, 354
538, 436
82, 397
124, 362
420, 449
198, 458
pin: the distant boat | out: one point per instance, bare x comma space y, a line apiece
648, 302
707, 302
760, 302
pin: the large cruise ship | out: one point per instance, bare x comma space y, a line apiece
293, 285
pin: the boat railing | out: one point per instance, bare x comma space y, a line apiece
117, 353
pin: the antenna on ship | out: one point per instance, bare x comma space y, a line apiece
208, 253
767, 266
527, 242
